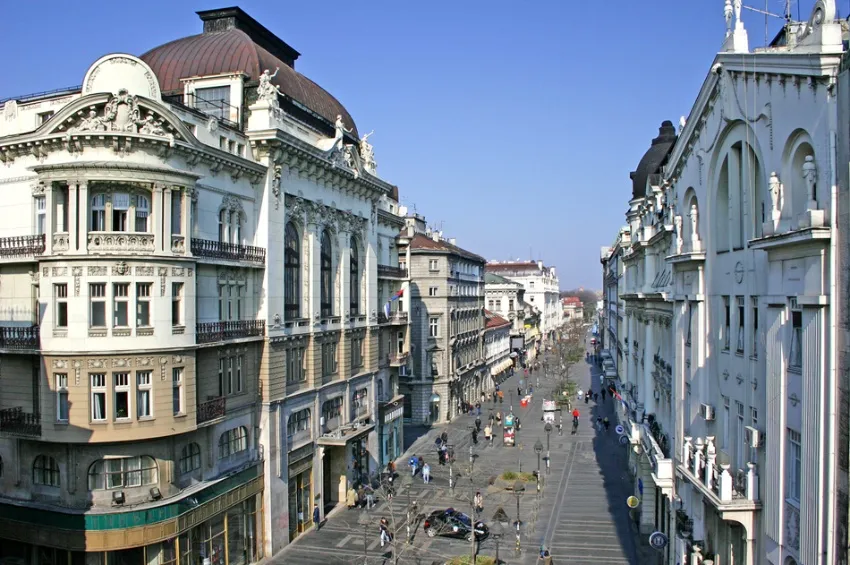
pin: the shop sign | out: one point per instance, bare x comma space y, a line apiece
303, 452
658, 540
395, 414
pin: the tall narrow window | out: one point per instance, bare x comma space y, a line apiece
143, 212
328, 358
223, 229
40, 215
62, 406
755, 309
176, 212
240, 383
740, 345
222, 371
354, 278
291, 274
794, 465
60, 295
229, 375
176, 304
356, 352
190, 458
295, 365
121, 304
97, 305
326, 278
796, 358
144, 394
690, 324
143, 304
122, 395
98, 212
120, 207
45, 471
434, 326
222, 302
727, 323
98, 397
177, 400
400, 342
236, 228
237, 291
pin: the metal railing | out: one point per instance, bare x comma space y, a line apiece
22, 245
211, 332
390, 271
227, 251
217, 109
211, 409
16, 421
19, 337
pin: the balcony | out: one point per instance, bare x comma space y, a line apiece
727, 492
656, 449
120, 242
228, 251
211, 410
17, 338
394, 318
21, 246
388, 272
398, 359
16, 422
213, 332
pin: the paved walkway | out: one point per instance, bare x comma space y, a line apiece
580, 514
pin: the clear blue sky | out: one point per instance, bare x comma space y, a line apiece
514, 125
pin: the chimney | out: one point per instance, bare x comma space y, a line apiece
452, 241
540, 265
435, 236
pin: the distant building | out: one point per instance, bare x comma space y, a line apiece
542, 289
573, 309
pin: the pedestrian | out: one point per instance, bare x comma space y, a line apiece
361, 497
426, 473
518, 423
606, 423
478, 409
518, 391
370, 496
580, 394
596, 397
478, 423
317, 517
499, 418
587, 398
599, 423
444, 454
420, 462
474, 436
483, 397
389, 487
413, 461
351, 498
391, 468
603, 395
386, 536
495, 394
478, 503
445, 437
501, 397
488, 434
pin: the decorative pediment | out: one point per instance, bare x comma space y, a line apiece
122, 112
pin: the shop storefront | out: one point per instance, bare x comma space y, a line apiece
300, 489
391, 435
219, 525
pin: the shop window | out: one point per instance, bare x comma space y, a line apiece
208, 541
45, 471
190, 458
162, 553
233, 442
106, 474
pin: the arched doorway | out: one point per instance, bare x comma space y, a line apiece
434, 409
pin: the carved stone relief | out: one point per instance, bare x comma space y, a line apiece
96, 271
77, 272
144, 271
121, 269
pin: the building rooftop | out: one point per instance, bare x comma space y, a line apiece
421, 242
234, 42
494, 320
653, 159
493, 278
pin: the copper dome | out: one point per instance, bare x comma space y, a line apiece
233, 41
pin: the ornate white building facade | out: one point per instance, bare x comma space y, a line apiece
743, 217
542, 290
190, 335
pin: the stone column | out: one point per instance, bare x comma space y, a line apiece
60, 212
648, 384
157, 211
50, 214
74, 217
166, 200
82, 232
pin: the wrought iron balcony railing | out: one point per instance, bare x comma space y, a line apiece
211, 332
390, 271
211, 409
19, 337
16, 421
21, 246
227, 251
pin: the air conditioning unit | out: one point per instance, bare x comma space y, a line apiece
322, 421
752, 437
706, 411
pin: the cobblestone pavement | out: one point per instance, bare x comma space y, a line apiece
580, 514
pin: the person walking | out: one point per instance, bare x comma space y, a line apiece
413, 462
606, 423
474, 436
351, 498
596, 397
426, 473
445, 437
317, 517
587, 398
488, 434
478, 423
518, 391
603, 395
478, 503
370, 496
386, 536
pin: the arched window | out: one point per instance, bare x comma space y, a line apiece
190, 458
298, 425
354, 282
326, 278
292, 272
124, 472
143, 211
223, 225
233, 441
45, 471
98, 212
738, 182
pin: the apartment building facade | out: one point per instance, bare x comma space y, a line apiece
190, 326
542, 290
447, 325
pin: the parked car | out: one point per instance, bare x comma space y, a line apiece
451, 523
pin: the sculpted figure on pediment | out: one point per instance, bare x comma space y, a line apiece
151, 126
92, 122
122, 112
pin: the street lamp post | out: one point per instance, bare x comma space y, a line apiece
538, 449
450, 454
519, 488
498, 531
548, 429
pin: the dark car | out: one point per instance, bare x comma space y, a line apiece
451, 523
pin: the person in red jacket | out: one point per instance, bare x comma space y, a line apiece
575, 415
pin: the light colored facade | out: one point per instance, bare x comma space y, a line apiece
507, 299
572, 309
497, 347
190, 334
542, 289
745, 210
447, 325
612, 330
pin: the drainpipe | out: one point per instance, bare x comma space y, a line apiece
831, 419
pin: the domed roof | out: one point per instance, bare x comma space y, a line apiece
653, 159
232, 42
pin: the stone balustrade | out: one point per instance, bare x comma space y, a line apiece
699, 460
120, 242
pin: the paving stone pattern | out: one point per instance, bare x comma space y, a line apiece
580, 514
